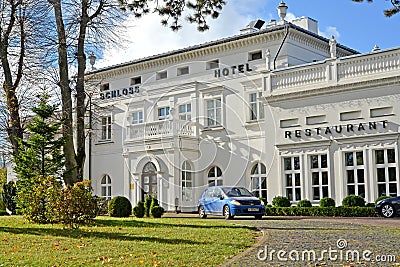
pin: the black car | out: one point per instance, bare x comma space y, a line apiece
388, 207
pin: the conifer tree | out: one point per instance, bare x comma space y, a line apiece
39, 161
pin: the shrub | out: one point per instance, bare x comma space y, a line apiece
304, 203
380, 198
34, 197
147, 204
119, 206
138, 210
353, 201
281, 201
327, 202
72, 205
102, 205
2, 205
157, 211
154, 203
321, 211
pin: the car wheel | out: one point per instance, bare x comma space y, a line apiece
227, 212
258, 217
202, 212
387, 210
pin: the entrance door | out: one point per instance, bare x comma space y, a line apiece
149, 180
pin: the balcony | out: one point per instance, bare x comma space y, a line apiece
161, 129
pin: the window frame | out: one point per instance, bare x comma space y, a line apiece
161, 75
216, 118
259, 113
107, 186
140, 119
216, 180
386, 166
185, 115
294, 173
106, 128
182, 71
355, 168
212, 64
320, 170
253, 53
187, 181
134, 80
167, 113
261, 177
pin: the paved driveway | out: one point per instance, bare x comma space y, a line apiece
309, 241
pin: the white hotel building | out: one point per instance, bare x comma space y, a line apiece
277, 109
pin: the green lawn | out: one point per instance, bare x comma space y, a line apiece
123, 242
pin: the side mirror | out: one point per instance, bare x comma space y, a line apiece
221, 197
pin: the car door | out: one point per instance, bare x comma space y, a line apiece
216, 203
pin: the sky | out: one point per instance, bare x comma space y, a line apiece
359, 26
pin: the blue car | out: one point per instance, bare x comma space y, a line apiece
230, 202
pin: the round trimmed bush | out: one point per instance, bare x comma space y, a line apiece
138, 210
353, 201
157, 211
380, 198
304, 203
119, 206
327, 202
281, 201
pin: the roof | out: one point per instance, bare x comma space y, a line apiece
221, 41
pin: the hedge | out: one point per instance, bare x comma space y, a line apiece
321, 211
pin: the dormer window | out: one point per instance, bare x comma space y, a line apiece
213, 64
161, 75
255, 55
182, 71
136, 80
104, 87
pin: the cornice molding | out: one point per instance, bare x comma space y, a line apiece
332, 89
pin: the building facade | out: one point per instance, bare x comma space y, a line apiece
278, 109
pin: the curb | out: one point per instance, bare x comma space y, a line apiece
247, 251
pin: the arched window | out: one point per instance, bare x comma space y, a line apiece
214, 176
259, 180
187, 182
106, 187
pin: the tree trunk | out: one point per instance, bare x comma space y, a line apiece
80, 92
14, 129
70, 176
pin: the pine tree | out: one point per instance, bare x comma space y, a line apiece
39, 162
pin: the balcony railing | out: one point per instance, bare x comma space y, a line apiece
382, 64
161, 129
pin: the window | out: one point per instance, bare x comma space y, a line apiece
312, 120
386, 172
104, 87
137, 117
381, 112
287, 123
187, 182
255, 55
354, 167
185, 112
213, 112
350, 115
182, 71
161, 75
214, 176
256, 107
136, 80
163, 113
213, 64
291, 166
106, 187
259, 180
106, 128
149, 180
319, 176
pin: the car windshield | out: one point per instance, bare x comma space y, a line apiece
237, 192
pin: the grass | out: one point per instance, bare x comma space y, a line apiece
123, 242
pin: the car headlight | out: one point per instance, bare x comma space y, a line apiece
235, 202
262, 203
